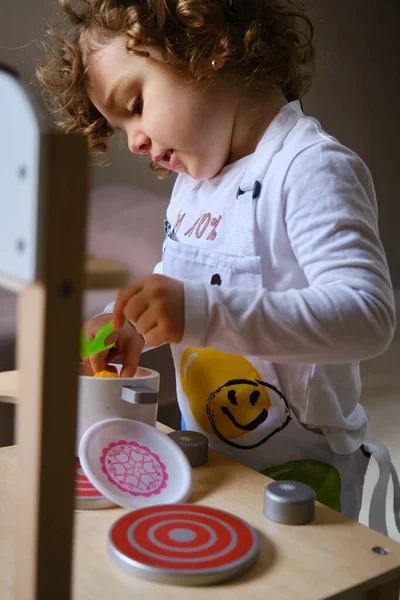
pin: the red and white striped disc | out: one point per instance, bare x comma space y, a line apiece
183, 544
86, 495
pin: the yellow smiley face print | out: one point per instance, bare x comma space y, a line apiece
226, 395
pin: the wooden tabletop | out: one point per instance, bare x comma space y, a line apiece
329, 558
103, 273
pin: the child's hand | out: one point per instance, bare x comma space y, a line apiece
129, 344
156, 305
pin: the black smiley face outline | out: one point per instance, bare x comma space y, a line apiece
253, 424
255, 394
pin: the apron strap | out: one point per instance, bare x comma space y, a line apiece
243, 230
243, 235
377, 509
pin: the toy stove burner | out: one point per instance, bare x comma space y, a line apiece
183, 544
86, 495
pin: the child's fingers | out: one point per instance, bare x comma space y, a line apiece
156, 336
136, 307
129, 366
86, 361
131, 356
112, 353
98, 361
146, 322
112, 338
123, 297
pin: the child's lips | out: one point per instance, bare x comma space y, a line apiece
164, 157
167, 160
172, 162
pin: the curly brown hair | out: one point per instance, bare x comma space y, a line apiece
263, 42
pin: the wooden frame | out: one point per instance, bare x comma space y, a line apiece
48, 326
49, 314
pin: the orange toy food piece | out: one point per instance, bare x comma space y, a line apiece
106, 374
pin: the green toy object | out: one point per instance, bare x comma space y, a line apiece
89, 347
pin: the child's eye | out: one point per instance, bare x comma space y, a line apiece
137, 107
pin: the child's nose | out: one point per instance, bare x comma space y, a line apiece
139, 143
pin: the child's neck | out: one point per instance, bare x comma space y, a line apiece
252, 119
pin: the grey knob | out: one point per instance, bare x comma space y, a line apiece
289, 502
135, 394
144, 402
193, 444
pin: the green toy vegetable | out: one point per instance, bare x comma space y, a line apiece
97, 345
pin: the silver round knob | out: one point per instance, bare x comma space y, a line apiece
289, 502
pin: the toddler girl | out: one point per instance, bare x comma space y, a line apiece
273, 282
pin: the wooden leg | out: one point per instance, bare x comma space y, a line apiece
49, 315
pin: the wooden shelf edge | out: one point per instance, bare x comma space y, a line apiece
102, 273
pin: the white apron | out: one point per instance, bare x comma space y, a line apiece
238, 401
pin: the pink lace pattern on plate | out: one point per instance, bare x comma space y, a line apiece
133, 468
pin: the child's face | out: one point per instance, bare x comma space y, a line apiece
161, 111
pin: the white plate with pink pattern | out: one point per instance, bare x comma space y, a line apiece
135, 465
